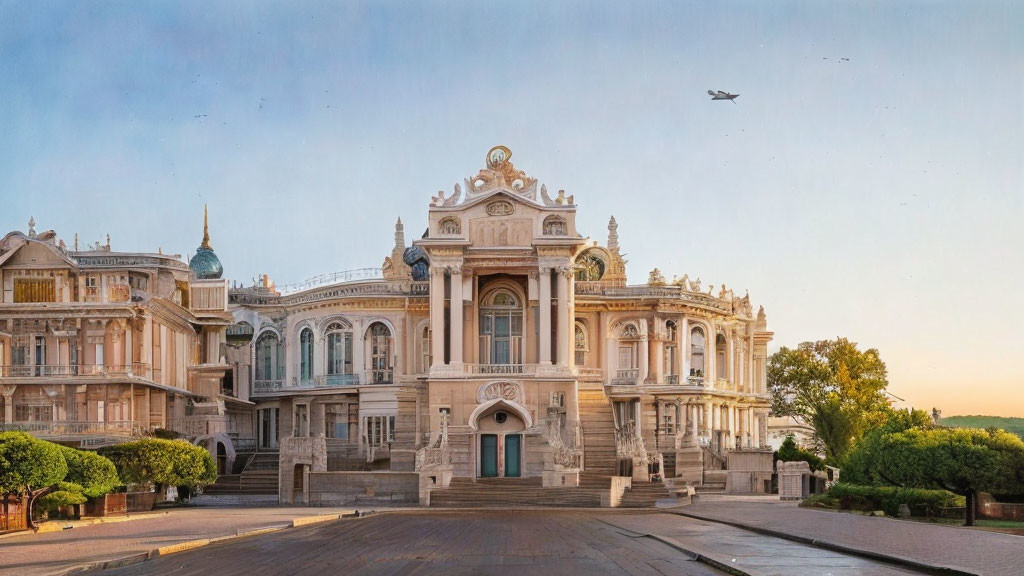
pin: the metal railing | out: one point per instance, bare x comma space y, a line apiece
75, 428
380, 376
135, 369
627, 376
332, 278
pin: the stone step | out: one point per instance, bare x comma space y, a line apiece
498, 496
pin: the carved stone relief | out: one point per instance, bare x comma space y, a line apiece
502, 232
510, 391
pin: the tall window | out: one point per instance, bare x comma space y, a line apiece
697, 340
581, 344
501, 329
720, 346
268, 357
671, 357
306, 355
339, 349
425, 344
380, 353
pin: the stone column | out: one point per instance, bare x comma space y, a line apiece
693, 424
756, 419
8, 392
436, 317
544, 317
731, 413
659, 361
645, 359
563, 316
456, 316
684, 350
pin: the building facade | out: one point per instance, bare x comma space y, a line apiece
501, 343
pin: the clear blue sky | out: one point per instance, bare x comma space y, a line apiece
878, 198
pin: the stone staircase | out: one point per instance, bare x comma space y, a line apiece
259, 477
225, 484
644, 495
598, 432
714, 482
511, 492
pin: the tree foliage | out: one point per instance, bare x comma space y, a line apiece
790, 452
162, 462
52, 474
960, 460
830, 384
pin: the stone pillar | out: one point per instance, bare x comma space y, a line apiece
709, 417
732, 427
693, 424
645, 359
564, 337
8, 392
544, 317
436, 317
659, 361
456, 317
756, 425
684, 350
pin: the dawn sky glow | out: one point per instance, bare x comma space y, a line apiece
878, 198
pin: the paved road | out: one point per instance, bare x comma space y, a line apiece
505, 542
56, 552
970, 550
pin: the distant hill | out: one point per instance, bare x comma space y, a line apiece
1015, 425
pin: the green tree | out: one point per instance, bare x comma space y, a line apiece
960, 460
830, 384
790, 452
162, 463
95, 474
29, 467
63, 494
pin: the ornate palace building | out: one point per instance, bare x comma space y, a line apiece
500, 344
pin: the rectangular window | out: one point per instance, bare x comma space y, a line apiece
29, 290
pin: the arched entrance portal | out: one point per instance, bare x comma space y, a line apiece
499, 429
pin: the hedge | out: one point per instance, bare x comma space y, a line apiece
889, 498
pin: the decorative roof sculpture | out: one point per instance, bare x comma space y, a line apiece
500, 174
205, 265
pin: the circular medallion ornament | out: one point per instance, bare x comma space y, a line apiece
497, 156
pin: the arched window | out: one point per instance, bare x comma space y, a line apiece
306, 355
449, 225
671, 355
555, 226
269, 360
582, 344
590, 267
501, 330
720, 346
426, 350
339, 352
697, 341
381, 356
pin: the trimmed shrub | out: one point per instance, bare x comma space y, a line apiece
888, 498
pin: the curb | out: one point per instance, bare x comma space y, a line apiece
57, 526
696, 556
192, 544
897, 560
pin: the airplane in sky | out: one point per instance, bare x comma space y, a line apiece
723, 96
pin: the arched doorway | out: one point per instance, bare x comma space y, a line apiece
499, 429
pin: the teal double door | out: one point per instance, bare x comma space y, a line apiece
489, 455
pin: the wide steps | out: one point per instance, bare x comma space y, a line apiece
258, 482
598, 432
643, 495
509, 492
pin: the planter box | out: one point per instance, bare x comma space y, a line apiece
107, 505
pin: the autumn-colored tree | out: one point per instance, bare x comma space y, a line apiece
831, 385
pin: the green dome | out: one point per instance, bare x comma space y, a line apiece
205, 265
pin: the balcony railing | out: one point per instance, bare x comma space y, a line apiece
137, 369
672, 379
627, 376
590, 373
380, 376
695, 380
518, 369
267, 385
57, 428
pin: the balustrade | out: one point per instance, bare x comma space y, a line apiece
627, 376
136, 369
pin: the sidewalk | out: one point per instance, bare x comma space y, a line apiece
741, 552
54, 553
938, 546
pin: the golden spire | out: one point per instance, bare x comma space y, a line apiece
206, 232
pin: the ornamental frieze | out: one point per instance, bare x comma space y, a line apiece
509, 391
